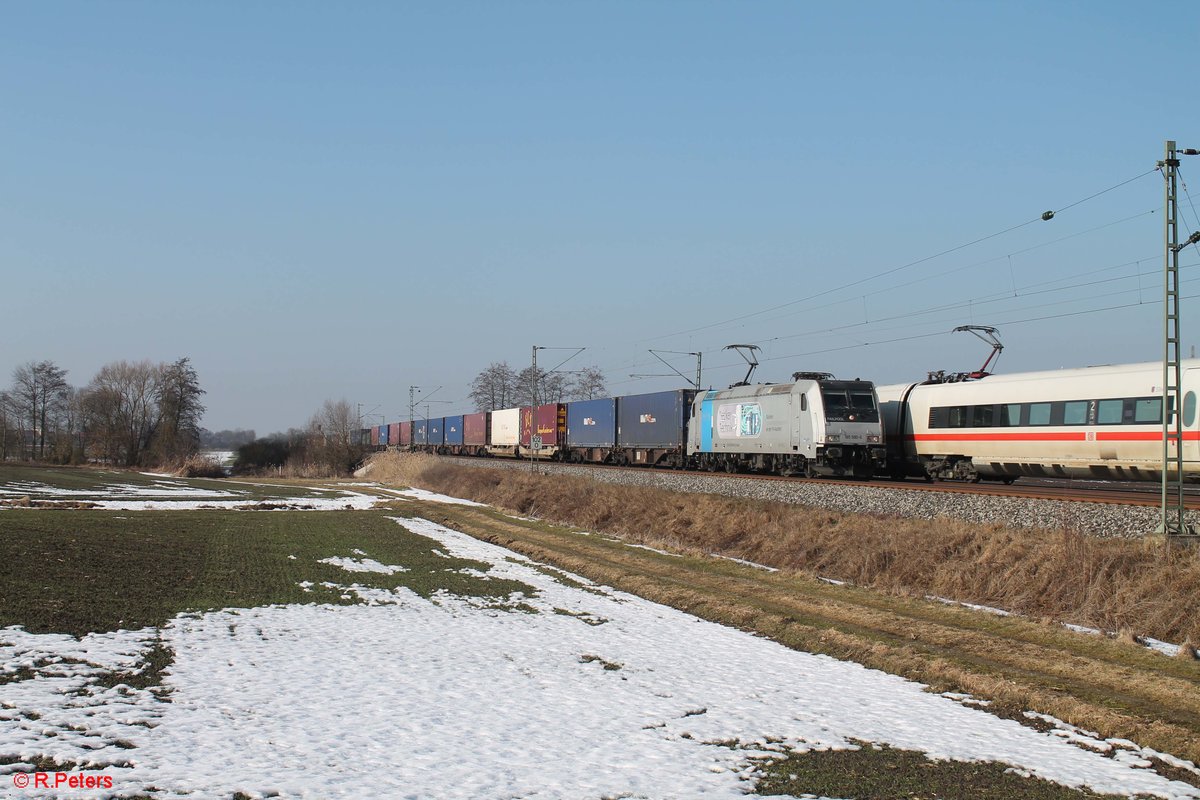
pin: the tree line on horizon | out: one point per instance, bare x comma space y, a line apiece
131, 414
500, 386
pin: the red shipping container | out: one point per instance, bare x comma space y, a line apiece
551, 424
475, 429
393, 433
405, 434
374, 436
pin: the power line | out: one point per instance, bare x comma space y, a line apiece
1045, 216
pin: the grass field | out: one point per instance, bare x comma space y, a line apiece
81, 571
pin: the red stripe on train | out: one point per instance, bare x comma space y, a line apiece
1049, 436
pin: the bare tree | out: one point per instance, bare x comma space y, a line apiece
38, 392
122, 409
179, 410
589, 384
11, 433
332, 437
550, 387
494, 387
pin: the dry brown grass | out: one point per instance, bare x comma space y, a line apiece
1145, 587
198, 466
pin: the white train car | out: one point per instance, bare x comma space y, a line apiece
1103, 423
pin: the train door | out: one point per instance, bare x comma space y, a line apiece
802, 423
1191, 425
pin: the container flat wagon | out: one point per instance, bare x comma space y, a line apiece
549, 423
475, 433
436, 434
591, 430
652, 428
504, 432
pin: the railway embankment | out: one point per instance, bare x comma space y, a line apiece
1104, 520
855, 585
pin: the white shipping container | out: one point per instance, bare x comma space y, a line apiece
506, 427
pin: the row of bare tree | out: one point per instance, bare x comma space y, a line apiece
130, 414
500, 386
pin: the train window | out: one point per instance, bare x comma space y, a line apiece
1039, 413
983, 416
1109, 412
804, 402
957, 417
863, 404
1075, 412
837, 405
1189, 409
1147, 409
1010, 415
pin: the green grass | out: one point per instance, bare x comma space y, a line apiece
885, 773
81, 571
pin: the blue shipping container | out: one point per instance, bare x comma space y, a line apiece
452, 427
592, 423
420, 431
436, 437
658, 419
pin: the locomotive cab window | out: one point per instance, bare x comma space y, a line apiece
863, 404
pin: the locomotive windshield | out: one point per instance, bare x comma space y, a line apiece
849, 404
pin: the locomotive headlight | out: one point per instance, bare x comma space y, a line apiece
873, 438
833, 437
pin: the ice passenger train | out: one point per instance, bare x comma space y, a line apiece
1100, 422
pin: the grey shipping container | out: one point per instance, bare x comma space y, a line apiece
655, 420
592, 423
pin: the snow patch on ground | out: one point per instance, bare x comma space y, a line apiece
450, 697
429, 497
363, 565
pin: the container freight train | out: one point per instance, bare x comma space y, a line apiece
815, 425
1103, 423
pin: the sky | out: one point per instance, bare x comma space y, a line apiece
314, 202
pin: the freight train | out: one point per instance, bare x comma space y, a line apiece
1102, 423
815, 425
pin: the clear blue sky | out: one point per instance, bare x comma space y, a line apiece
315, 201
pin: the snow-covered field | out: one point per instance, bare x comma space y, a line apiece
165, 493
597, 694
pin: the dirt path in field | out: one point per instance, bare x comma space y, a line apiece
1114, 688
